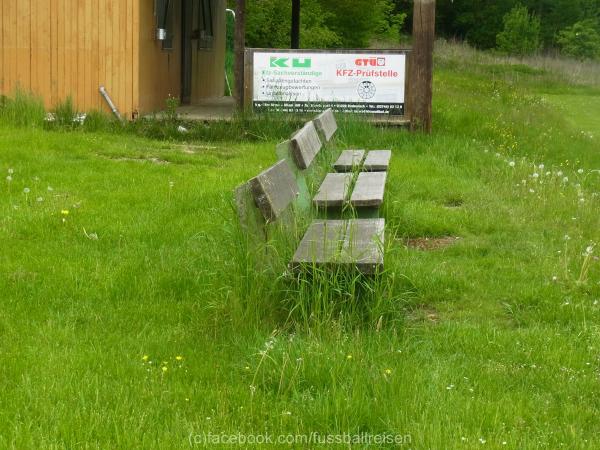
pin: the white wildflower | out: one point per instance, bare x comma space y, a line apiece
26, 190
511, 164
580, 171
9, 178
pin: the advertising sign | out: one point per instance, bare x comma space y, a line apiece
309, 81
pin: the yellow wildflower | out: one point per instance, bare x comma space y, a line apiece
179, 358
388, 371
349, 357
164, 368
65, 212
145, 358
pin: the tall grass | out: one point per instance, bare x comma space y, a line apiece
560, 68
22, 109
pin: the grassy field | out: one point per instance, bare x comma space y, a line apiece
130, 318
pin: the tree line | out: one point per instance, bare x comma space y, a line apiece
510, 26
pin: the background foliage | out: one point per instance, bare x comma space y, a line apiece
336, 23
357, 23
521, 33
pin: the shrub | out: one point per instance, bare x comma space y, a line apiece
582, 40
521, 33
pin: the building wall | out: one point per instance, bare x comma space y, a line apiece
62, 48
208, 66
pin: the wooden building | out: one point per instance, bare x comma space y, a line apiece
141, 51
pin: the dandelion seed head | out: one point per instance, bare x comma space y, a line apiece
9, 178
26, 190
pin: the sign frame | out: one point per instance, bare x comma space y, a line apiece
249, 71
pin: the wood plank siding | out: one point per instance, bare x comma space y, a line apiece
68, 48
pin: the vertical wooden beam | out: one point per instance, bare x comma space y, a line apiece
421, 66
295, 35
239, 48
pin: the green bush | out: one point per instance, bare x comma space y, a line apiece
323, 24
521, 33
582, 40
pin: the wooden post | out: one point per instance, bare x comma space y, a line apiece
239, 49
295, 24
421, 66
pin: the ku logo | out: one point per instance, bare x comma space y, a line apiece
371, 61
303, 63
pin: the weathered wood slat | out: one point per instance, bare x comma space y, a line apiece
364, 244
305, 145
369, 189
349, 160
321, 244
333, 191
353, 243
377, 161
274, 189
326, 124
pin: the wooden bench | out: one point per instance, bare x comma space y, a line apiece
351, 160
346, 189
354, 243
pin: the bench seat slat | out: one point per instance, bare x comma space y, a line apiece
364, 244
321, 243
356, 242
333, 191
349, 160
377, 161
369, 189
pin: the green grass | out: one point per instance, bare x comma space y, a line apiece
495, 338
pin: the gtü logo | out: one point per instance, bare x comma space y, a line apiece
372, 61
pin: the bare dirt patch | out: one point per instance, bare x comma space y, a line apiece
431, 243
424, 314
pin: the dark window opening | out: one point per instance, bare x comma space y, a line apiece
205, 25
165, 23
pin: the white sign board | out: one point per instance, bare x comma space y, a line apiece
308, 81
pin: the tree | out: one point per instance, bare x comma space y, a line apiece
521, 33
582, 40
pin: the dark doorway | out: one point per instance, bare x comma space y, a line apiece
186, 51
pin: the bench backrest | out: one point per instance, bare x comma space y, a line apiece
274, 190
305, 145
326, 124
